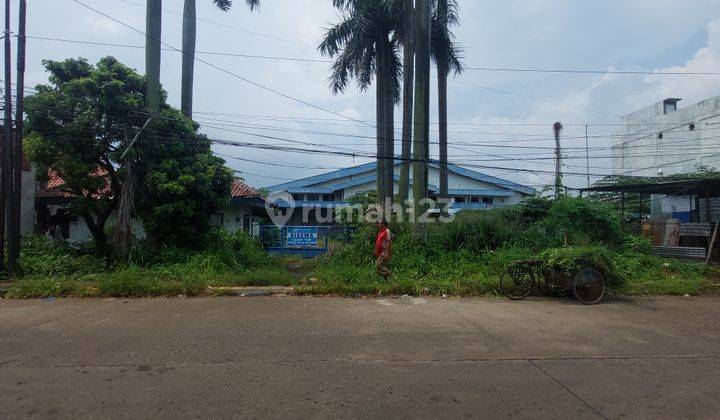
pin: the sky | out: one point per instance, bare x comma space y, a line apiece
495, 116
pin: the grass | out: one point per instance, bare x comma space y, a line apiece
465, 258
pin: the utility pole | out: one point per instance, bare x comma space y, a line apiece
7, 140
15, 217
587, 155
557, 128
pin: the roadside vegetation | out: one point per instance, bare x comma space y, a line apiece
462, 258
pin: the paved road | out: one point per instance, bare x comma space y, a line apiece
328, 357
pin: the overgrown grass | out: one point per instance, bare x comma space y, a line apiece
464, 258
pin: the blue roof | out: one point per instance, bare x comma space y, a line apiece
370, 167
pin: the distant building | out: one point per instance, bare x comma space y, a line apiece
54, 212
468, 189
663, 139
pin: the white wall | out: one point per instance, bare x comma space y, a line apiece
638, 150
27, 204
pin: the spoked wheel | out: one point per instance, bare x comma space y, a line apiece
589, 286
516, 283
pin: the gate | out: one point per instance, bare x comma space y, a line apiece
304, 241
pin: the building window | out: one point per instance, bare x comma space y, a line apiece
475, 199
218, 219
247, 224
297, 197
327, 197
460, 200
691, 127
487, 200
660, 136
312, 197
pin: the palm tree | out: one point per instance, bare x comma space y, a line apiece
189, 37
421, 131
408, 41
364, 45
447, 58
153, 42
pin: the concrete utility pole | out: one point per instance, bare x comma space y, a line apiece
5, 182
587, 155
15, 217
557, 128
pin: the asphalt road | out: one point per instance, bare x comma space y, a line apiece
330, 357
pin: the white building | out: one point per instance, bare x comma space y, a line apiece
468, 189
664, 139
54, 212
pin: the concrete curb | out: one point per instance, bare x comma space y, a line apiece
252, 291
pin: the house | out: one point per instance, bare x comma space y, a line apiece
54, 212
245, 212
663, 139
468, 189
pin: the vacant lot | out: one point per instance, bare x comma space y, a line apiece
331, 357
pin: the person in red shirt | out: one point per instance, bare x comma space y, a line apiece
383, 244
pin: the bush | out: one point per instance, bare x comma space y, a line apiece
573, 259
43, 256
583, 222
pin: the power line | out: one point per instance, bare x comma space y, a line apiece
324, 61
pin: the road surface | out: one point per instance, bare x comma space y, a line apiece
306, 357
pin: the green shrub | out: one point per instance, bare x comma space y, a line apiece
572, 259
583, 222
43, 256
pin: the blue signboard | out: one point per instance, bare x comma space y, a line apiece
304, 237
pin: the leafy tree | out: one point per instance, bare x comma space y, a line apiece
365, 46
78, 127
182, 184
189, 37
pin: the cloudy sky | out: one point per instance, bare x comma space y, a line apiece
487, 109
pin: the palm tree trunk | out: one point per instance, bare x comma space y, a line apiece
421, 141
388, 120
408, 81
189, 37
443, 119
153, 36
380, 129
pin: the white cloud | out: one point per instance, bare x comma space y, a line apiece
691, 88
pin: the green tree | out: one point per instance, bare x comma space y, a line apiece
189, 37
447, 58
78, 127
364, 47
181, 183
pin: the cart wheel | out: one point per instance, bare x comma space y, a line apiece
589, 286
516, 282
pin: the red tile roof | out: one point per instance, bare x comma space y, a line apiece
55, 187
242, 190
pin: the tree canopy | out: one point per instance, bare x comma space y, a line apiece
79, 125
